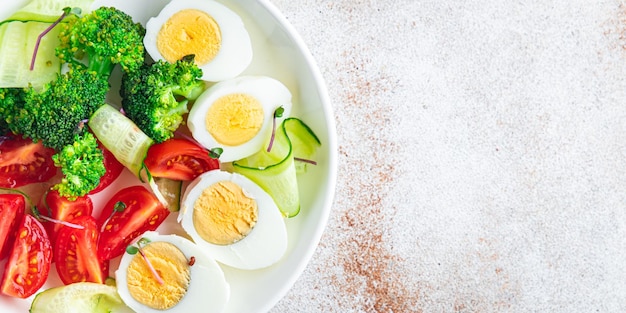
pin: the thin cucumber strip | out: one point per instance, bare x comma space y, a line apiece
79, 297
121, 136
275, 171
17, 44
48, 10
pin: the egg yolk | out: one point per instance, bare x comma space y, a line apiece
234, 119
173, 268
189, 31
224, 213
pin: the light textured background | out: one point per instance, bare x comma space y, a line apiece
482, 161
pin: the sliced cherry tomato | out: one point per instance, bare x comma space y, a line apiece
113, 170
76, 253
141, 212
12, 208
24, 162
29, 263
61, 208
179, 159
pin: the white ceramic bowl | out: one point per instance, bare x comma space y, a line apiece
278, 52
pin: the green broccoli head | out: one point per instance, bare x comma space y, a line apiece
12, 109
156, 96
82, 165
107, 36
55, 114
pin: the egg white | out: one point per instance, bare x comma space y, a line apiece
270, 92
208, 290
263, 246
235, 53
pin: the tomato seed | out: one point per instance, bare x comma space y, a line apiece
19, 279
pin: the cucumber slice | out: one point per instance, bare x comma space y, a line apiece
275, 171
171, 191
121, 136
126, 142
18, 37
17, 44
79, 298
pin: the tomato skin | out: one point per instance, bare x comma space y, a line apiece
60, 208
76, 253
24, 162
143, 212
179, 159
29, 263
113, 170
12, 208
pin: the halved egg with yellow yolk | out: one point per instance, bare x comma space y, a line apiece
187, 276
233, 220
237, 115
213, 33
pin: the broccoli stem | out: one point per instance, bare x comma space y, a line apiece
181, 108
102, 66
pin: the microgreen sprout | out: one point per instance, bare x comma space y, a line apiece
81, 126
66, 12
215, 153
305, 161
15, 191
188, 58
132, 250
40, 217
38, 214
278, 113
117, 208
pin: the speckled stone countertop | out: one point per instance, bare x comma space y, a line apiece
482, 162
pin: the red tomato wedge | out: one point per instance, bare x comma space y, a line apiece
60, 208
113, 170
142, 212
76, 253
179, 159
12, 208
29, 263
24, 162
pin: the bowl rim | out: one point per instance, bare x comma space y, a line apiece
331, 179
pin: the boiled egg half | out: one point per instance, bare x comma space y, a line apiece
237, 115
212, 32
233, 220
188, 279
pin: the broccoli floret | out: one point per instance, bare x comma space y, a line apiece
155, 97
107, 36
11, 106
82, 164
54, 114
